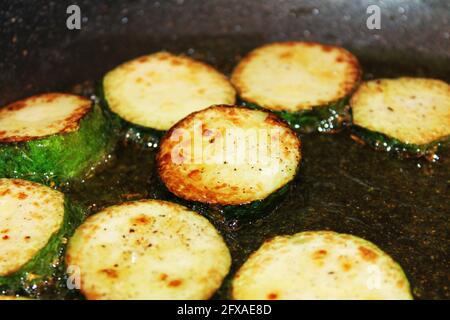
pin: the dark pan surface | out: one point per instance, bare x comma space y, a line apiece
403, 206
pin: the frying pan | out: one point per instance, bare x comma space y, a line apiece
402, 206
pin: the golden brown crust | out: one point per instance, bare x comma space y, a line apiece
320, 265
133, 251
350, 78
67, 124
159, 89
411, 110
30, 214
193, 181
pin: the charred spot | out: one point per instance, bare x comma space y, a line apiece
165, 158
163, 276
21, 183
176, 62
110, 273
272, 120
94, 295
16, 106
194, 174
272, 296
5, 237
319, 254
232, 112
142, 59
207, 132
221, 186
142, 219
5, 192
22, 195
72, 122
368, 254
175, 283
50, 97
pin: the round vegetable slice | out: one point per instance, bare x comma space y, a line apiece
229, 156
52, 138
307, 84
407, 115
320, 265
157, 90
148, 249
34, 221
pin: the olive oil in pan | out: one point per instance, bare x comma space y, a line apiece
400, 205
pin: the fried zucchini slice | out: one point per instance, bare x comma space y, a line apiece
34, 223
53, 138
234, 157
410, 116
320, 265
305, 83
148, 249
156, 91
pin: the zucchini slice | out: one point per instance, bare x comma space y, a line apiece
229, 156
148, 249
305, 83
34, 223
410, 116
320, 265
157, 90
53, 138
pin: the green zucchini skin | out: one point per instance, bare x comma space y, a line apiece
131, 133
226, 213
256, 209
327, 119
382, 142
46, 269
60, 158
